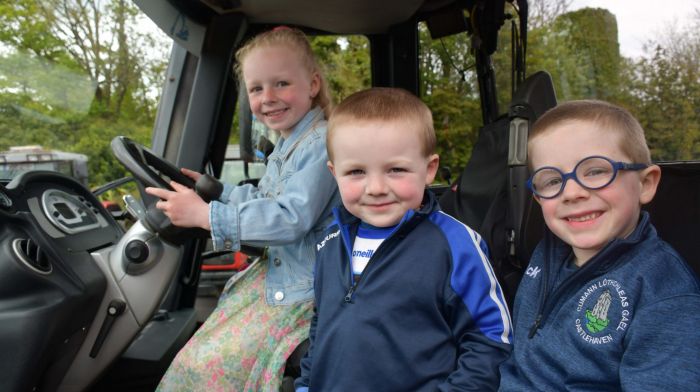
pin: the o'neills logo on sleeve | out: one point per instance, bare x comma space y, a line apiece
328, 237
604, 312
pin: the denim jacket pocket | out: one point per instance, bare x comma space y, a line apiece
290, 274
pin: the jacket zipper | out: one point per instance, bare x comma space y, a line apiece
545, 307
542, 301
353, 282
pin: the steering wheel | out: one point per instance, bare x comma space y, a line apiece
146, 166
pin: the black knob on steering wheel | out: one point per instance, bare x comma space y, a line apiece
208, 188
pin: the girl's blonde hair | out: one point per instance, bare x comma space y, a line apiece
297, 41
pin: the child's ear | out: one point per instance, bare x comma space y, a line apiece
433, 164
315, 84
649, 179
331, 167
537, 199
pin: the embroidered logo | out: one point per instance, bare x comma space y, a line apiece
532, 271
598, 318
328, 237
602, 307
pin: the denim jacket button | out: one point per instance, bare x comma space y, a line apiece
277, 262
279, 296
228, 244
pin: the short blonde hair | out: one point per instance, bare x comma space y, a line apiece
607, 116
384, 104
297, 41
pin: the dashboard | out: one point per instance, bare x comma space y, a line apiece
75, 288
50, 286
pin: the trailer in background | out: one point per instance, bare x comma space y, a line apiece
21, 159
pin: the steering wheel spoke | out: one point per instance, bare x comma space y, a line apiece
146, 166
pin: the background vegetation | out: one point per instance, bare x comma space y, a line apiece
115, 70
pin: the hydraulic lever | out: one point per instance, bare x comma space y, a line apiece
114, 309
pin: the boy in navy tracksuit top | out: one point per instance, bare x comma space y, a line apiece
605, 304
405, 296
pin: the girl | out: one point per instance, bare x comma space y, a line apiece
260, 319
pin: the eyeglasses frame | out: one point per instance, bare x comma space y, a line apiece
616, 165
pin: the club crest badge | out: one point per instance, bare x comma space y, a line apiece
597, 320
604, 312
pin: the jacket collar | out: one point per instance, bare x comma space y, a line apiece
302, 128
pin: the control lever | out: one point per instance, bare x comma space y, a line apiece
208, 188
114, 309
135, 207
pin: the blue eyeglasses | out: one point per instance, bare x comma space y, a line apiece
594, 172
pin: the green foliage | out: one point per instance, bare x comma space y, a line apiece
591, 36
25, 25
346, 62
96, 135
75, 89
448, 86
587, 61
662, 89
665, 99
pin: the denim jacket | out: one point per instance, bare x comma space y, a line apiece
287, 211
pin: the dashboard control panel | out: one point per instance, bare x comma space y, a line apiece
70, 214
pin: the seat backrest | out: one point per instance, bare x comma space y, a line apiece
675, 210
490, 195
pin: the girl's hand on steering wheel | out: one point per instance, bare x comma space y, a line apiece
191, 174
183, 206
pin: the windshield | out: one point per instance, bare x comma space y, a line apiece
65, 92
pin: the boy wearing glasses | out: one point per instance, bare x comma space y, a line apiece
605, 304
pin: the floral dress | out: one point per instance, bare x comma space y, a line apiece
246, 346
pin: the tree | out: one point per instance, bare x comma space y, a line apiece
449, 88
74, 71
591, 37
104, 41
543, 12
665, 95
346, 61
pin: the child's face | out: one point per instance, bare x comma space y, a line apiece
280, 88
589, 219
380, 169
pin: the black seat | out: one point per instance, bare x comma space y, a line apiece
490, 194
675, 210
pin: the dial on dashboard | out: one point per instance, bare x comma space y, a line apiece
68, 213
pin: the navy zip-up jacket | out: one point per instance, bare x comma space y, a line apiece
427, 313
627, 320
